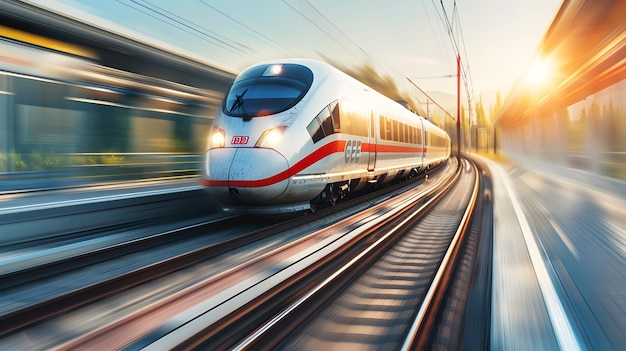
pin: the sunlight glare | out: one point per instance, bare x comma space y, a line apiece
539, 72
276, 69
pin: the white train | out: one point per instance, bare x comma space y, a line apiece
292, 134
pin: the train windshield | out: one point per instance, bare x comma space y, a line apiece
267, 90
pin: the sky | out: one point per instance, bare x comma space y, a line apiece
497, 39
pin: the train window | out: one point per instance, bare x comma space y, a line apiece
394, 130
406, 133
385, 128
322, 124
267, 90
253, 72
326, 121
315, 130
354, 119
334, 112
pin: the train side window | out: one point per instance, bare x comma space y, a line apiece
382, 127
407, 133
334, 112
315, 130
326, 121
394, 133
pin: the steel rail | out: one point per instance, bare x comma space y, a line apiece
93, 292
265, 334
80, 296
420, 330
211, 319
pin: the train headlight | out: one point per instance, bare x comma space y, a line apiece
218, 138
270, 137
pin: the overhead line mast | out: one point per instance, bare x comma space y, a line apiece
455, 45
458, 103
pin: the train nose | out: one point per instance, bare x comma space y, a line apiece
247, 176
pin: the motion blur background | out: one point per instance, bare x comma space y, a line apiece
127, 89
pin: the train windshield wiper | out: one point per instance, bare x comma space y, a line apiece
238, 101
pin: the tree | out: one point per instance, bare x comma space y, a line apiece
612, 119
481, 119
495, 109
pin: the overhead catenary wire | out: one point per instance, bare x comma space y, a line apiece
332, 24
449, 25
200, 32
431, 99
247, 27
467, 77
322, 29
309, 12
434, 29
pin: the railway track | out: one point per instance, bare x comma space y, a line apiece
220, 294
61, 273
388, 295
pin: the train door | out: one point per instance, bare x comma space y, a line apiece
372, 142
427, 147
422, 141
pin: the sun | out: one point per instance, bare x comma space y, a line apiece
539, 72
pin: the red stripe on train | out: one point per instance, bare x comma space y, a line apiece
337, 146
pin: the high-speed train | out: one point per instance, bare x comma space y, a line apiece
293, 134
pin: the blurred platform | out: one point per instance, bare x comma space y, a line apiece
38, 217
558, 259
128, 167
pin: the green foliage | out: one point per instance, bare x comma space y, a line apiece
110, 160
37, 161
15, 162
